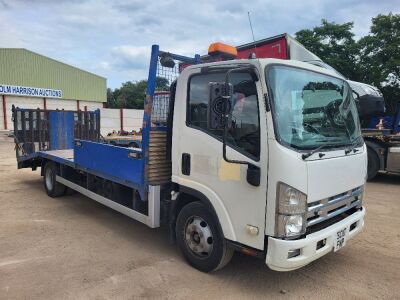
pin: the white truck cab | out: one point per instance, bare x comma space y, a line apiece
291, 182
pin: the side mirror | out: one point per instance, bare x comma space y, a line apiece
219, 105
219, 118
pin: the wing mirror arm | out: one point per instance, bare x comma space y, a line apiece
253, 172
220, 100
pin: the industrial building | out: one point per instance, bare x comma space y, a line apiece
31, 80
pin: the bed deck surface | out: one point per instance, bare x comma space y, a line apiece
62, 156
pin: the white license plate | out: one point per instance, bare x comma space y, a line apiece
339, 239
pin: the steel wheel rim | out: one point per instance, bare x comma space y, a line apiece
198, 237
49, 179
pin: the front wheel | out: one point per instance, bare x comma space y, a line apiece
200, 239
52, 187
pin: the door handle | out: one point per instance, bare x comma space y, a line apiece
186, 164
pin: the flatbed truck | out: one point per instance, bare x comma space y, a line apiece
260, 156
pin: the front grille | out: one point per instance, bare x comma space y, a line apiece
328, 208
331, 221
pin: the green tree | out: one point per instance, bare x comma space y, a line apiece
162, 84
110, 98
334, 44
374, 59
380, 57
132, 94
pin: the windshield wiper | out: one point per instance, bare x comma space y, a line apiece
308, 154
353, 146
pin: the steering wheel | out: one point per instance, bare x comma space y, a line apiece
333, 114
313, 129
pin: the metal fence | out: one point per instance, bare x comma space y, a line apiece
165, 76
43, 130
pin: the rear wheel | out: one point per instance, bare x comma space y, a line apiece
373, 163
52, 187
200, 239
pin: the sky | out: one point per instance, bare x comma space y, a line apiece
113, 38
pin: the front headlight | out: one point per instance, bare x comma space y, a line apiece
290, 226
290, 200
291, 211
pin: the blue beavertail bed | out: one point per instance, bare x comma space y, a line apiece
67, 145
112, 175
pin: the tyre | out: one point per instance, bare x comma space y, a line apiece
52, 187
373, 164
200, 238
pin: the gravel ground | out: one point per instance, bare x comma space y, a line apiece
73, 247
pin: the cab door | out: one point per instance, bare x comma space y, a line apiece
197, 152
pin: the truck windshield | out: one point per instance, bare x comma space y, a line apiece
311, 109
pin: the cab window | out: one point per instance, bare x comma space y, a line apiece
244, 132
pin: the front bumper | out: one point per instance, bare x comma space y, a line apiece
278, 249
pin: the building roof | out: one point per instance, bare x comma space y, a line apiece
21, 67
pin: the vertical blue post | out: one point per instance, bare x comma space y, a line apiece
148, 106
69, 130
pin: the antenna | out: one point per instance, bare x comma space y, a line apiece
254, 40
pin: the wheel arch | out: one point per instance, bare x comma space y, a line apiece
45, 161
189, 194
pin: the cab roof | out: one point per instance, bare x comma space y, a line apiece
263, 62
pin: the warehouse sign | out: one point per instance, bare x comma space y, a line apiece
6, 89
